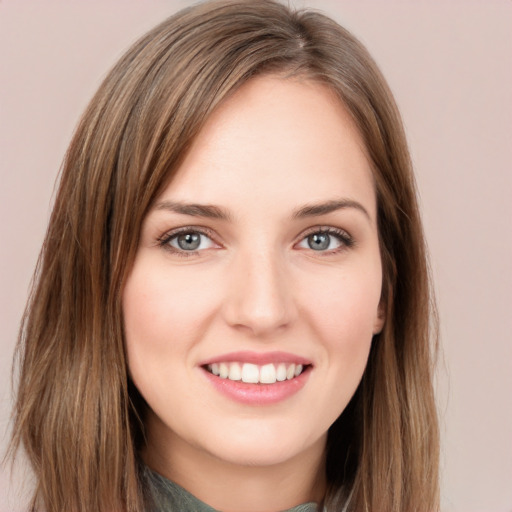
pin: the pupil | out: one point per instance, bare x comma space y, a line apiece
189, 241
318, 241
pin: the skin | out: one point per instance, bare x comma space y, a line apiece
255, 284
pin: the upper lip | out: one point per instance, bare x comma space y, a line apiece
258, 358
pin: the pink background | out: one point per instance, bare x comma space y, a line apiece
450, 66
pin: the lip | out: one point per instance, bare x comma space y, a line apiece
259, 358
258, 394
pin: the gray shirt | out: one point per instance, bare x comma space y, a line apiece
170, 497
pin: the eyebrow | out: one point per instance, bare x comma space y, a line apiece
314, 210
194, 210
216, 212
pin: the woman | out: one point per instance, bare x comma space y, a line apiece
232, 303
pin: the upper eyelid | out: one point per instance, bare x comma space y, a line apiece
187, 229
322, 228
164, 240
345, 238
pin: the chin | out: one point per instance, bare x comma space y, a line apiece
264, 449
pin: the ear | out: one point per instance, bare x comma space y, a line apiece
380, 318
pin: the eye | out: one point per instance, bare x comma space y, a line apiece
326, 240
187, 241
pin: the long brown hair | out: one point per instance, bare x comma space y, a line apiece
77, 415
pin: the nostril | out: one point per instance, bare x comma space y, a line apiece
258, 297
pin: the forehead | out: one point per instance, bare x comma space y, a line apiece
276, 140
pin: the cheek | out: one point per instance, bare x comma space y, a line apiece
160, 330
345, 307
341, 312
164, 312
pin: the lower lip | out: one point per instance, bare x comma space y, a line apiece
258, 394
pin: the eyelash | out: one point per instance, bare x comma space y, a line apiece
343, 237
164, 240
346, 240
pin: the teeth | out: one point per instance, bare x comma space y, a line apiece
254, 374
250, 373
268, 374
235, 372
281, 372
290, 373
223, 370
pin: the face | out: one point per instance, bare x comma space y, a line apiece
254, 295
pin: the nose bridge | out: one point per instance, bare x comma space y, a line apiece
259, 296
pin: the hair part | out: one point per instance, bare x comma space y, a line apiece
77, 414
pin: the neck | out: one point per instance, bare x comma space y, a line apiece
242, 488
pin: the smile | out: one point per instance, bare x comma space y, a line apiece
255, 374
257, 379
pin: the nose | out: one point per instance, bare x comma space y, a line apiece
259, 298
